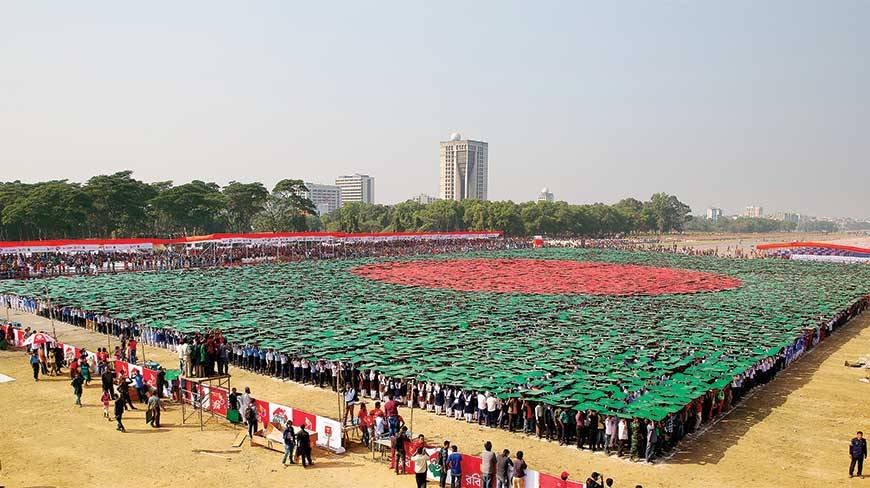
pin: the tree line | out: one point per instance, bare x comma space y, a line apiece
757, 224
662, 213
119, 205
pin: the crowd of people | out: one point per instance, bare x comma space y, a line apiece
49, 359
210, 353
653, 245
207, 354
182, 256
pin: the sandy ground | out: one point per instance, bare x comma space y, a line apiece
794, 432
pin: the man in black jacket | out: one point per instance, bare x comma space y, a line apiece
858, 452
303, 446
119, 412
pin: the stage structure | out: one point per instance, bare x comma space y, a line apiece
196, 398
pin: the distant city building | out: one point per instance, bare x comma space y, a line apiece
788, 217
464, 169
326, 198
546, 195
714, 213
754, 212
425, 199
356, 188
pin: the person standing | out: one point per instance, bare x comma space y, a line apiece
421, 462
391, 411
246, 400
455, 464
443, 463
303, 446
154, 408
487, 464
107, 382
161, 382
503, 465
350, 400
34, 363
652, 439
609, 433
520, 468
124, 393
622, 436
858, 453
399, 445
106, 398
233, 410
289, 443
139, 384
251, 419
119, 413
77, 384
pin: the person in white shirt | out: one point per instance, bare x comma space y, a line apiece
609, 429
622, 433
246, 400
182, 352
491, 407
481, 407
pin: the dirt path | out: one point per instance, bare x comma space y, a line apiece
792, 433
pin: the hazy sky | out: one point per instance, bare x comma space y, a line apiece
725, 103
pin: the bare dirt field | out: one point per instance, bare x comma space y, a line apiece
793, 432
747, 241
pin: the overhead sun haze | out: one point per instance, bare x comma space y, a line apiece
724, 104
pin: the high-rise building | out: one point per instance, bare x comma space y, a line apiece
754, 212
464, 169
326, 198
546, 195
714, 213
356, 188
794, 218
425, 199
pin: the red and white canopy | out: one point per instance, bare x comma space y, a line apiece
39, 339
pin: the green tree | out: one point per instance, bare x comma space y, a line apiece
669, 213
443, 215
193, 208
243, 202
50, 210
286, 209
404, 217
119, 204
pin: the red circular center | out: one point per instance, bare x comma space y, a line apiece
540, 276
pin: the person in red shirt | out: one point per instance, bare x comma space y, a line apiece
364, 422
131, 347
391, 410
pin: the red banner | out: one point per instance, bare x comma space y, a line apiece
549, 481
121, 369
262, 412
302, 418
218, 401
471, 477
149, 376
